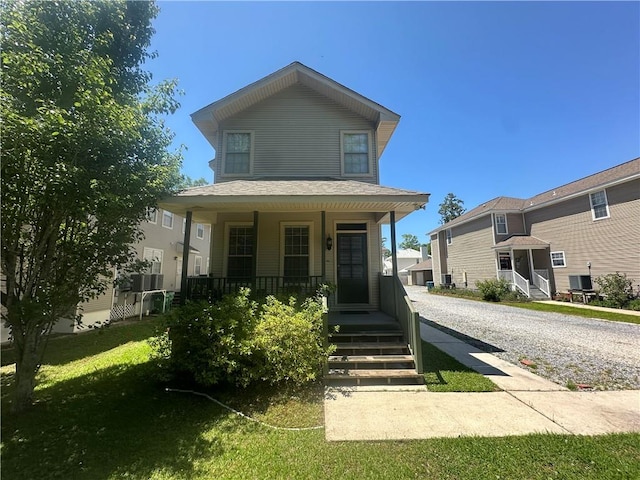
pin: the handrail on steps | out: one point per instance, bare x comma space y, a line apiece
395, 302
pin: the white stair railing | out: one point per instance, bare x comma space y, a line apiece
521, 283
541, 282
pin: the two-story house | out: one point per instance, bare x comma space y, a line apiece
297, 203
589, 227
297, 199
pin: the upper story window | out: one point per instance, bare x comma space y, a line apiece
449, 236
167, 219
238, 148
501, 224
599, 206
355, 153
199, 230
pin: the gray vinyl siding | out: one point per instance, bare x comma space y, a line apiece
611, 244
471, 252
515, 226
296, 133
103, 302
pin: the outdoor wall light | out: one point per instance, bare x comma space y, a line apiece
329, 243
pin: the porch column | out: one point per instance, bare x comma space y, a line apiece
394, 260
185, 257
531, 277
254, 264
394, 257
323, 243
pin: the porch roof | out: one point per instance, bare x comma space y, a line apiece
295, 195
521, 242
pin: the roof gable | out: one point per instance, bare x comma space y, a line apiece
207, 119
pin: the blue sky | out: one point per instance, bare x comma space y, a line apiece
495, 98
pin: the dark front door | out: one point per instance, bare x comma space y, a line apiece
353, 284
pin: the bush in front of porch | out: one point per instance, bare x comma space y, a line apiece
239, 341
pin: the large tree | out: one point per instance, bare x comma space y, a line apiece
84, 155
450, 208
409, 241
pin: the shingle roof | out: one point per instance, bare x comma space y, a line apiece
622, 172
426, 265
522, 241
306, 187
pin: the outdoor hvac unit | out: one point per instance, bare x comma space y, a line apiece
157, 280
140, 282
580, 282
445, 279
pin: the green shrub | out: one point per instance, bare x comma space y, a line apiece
235, 341
212, 343
634, 305
493, 289
616, 288
289, 341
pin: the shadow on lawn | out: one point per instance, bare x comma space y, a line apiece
63, 349
114, 423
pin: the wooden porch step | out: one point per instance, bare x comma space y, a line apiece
371, 361
374, 377
366, 337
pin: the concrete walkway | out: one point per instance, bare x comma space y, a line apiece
527, 404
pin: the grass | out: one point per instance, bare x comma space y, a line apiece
576, 311
544, 307
101, 415
445, 374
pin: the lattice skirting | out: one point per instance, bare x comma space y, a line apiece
122, 311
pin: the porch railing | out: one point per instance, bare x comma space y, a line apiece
395, 302
541, 282
213, 288
515, 279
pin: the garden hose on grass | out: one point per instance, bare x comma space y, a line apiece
290, 429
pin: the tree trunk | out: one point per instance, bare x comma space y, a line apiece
27, 359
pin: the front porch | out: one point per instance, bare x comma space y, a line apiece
523, 261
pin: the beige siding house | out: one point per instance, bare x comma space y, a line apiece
589, 227
296, 200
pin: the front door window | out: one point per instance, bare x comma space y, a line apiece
353, 284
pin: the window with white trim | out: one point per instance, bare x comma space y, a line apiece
296, 254
501, 224
167, 219
238, 148
197, 265
449, 236
199, 230
599, 205
240, 256
154, 257
558, 260
184, 225
152, 215
355, 153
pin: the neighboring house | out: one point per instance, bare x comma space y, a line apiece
421, 273
406, 258
297, 199
589, 227
163, 247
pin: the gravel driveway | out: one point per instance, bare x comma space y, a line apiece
602, 354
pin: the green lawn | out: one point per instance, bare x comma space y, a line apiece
100, 414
